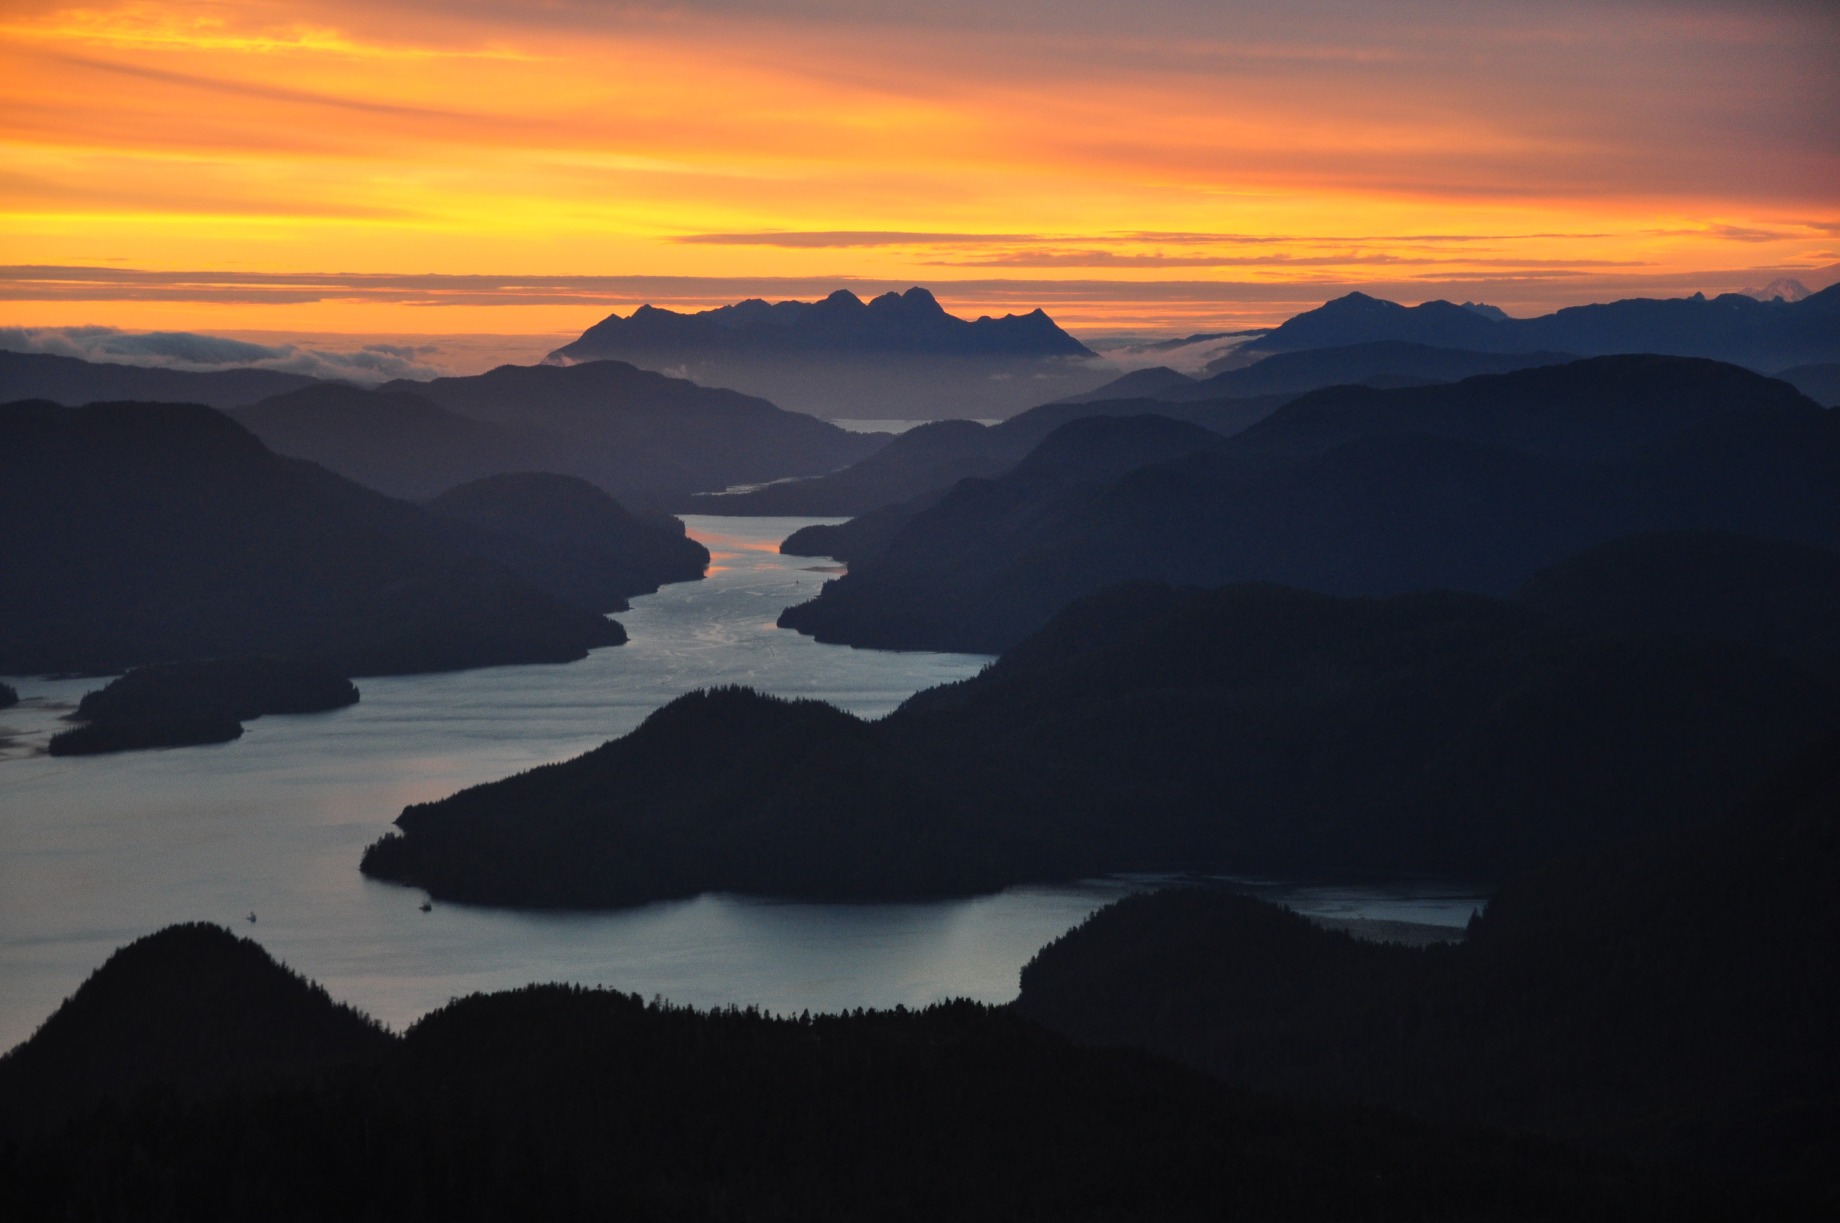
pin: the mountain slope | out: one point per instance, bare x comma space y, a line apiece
1732, 327
396, 442
569, 538
148, 533
192, 1009
1671, 996
72, 381
649, 440
1354, 490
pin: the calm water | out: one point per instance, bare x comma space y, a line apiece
96, 852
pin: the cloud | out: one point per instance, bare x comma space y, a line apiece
838, 238
187, 350
848, 238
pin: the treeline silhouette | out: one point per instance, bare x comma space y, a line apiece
1251, 728
1672, 996
192, 1078
174, 704
9, 696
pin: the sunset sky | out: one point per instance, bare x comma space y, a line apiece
407, 166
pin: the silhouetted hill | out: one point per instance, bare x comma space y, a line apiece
1672, 996
1153, 383
918, 467
647, 439
860, 537
569, 538
924, 460
903, 323
725, 790
1354, 490
1080, 454
1731, 327
149, 533
72, 381
9, 696
174, 704
1227, 403
1820, 383
556, 1102
1248, 729
189, 1013
396, 442
1770, 595
1380, 363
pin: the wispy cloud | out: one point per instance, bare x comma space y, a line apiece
184, 350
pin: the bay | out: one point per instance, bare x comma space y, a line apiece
97, 851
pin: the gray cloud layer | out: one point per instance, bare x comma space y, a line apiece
186, 350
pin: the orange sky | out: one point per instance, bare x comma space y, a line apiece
419, 167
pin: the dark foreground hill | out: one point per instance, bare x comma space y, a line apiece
72, 381
149, 533
1248, 729
1673, 996
190, 1012
1771, 595
1353, 490
231, 1089
181, 703
569, 538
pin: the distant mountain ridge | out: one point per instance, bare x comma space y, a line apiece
908, 323
1763, 335
899, 356
73, 381
648, 439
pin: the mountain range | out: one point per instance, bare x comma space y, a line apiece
900, 355
895, 323
1762, 335
1355, 490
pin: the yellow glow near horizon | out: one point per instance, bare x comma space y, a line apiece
1532, 164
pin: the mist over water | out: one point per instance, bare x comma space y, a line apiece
97, 851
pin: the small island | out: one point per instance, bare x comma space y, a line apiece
9, 696
186, 703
